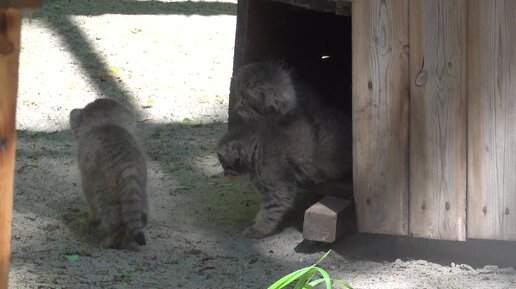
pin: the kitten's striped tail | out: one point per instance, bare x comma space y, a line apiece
132, 214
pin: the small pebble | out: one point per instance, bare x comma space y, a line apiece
31, 216
252, 260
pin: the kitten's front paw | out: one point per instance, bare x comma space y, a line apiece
258, 232
252, 233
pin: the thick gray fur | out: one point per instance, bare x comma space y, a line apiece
113, 170
309, 149
266, 91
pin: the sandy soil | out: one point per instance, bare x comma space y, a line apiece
173, 60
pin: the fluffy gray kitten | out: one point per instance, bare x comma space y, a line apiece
308, 150
113, 170
264, 91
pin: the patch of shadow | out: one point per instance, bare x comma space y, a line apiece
131, 7
89, 59
381, 248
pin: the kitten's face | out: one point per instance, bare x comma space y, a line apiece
229, 158
99, 112
263, 90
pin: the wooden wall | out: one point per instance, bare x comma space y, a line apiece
446, 167
492, 119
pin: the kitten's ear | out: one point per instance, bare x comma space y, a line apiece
75, 118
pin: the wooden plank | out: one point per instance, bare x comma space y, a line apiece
20, 3
380, 115
340, 7
10, 26
492, 119
438, 119
321, 5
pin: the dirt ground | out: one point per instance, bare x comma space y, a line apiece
173, 60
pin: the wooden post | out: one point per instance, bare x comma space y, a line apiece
10, 26
380, 115
438, 119
491, 120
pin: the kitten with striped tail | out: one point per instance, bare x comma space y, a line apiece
113, 171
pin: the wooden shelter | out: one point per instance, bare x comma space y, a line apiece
433, 103
431, 91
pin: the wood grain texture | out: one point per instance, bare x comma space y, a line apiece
380, 115
239, 53
438, 119
10, 26
492, 120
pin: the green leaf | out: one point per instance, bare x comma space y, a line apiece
315, 282
322, 258
192, 122
305, 276
325, 277
289, 278
219, 99
72, 258
343, 284
303, 280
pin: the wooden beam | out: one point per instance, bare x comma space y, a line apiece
19, 4
380, 115
492, 120
438, 119
339, 7
10, 26
328, 219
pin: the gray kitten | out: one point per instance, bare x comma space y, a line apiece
307, 150
264, 91
113, 170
